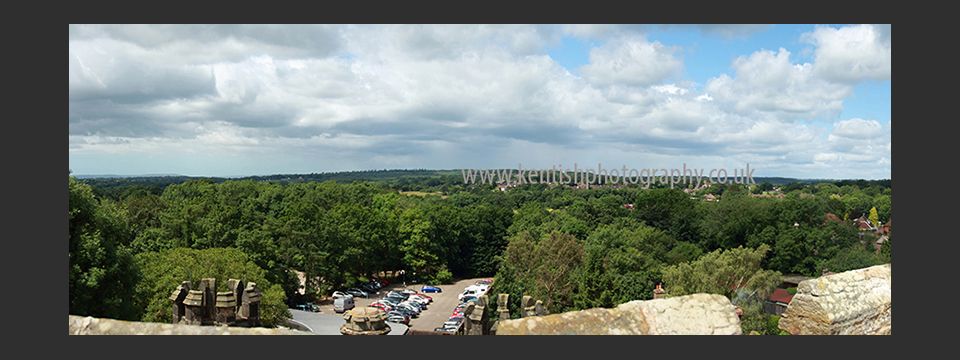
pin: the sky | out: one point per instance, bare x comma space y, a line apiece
801, 101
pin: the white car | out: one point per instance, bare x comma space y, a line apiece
419, 299
338, 294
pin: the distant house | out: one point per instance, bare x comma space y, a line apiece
864, 224
832, 217
883, 234
777, 302
709, 197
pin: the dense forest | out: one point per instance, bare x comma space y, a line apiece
133, 241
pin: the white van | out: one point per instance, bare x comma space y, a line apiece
343, 303
473, 290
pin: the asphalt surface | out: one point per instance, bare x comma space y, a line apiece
329, 324
434, 316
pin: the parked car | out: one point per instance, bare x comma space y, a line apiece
410, 307
367, 288
398, 293
415, 304
407, 311
473, 290
418, 299
342, 304
391, 300
396, 312
452, 323
400, 319
358, 292
337, 294
430, 289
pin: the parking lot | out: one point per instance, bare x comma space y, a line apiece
437, 311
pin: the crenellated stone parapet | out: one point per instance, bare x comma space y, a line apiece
238, 306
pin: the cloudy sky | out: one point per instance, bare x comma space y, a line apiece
805, 101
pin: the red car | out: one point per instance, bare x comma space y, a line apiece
381, 306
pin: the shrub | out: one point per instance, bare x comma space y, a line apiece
443, 277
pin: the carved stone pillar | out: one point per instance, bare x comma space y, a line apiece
529, 306
250, 310
503, 307
193, 305
209, 288
226, 308
178, 296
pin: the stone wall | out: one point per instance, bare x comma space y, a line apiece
698, 314
855, 302
80, 325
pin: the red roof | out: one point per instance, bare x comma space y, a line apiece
885, 229
781, 295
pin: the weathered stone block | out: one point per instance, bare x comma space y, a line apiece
855, 302
365, 321
698, 314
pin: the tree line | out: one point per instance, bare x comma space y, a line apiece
575, 249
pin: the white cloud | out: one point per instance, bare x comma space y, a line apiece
768, 84
857, 128
631, 62
852, 54
445, 96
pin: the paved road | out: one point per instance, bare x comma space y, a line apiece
329, 324
437, 312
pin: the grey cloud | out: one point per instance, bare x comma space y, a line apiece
732, 31
104, 117
299, 40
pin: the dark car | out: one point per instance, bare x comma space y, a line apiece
367, 288
430, 289
406, 311
358, 292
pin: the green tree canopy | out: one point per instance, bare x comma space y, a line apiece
722, 272
164, 271
102, 272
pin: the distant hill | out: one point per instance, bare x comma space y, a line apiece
376, 176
